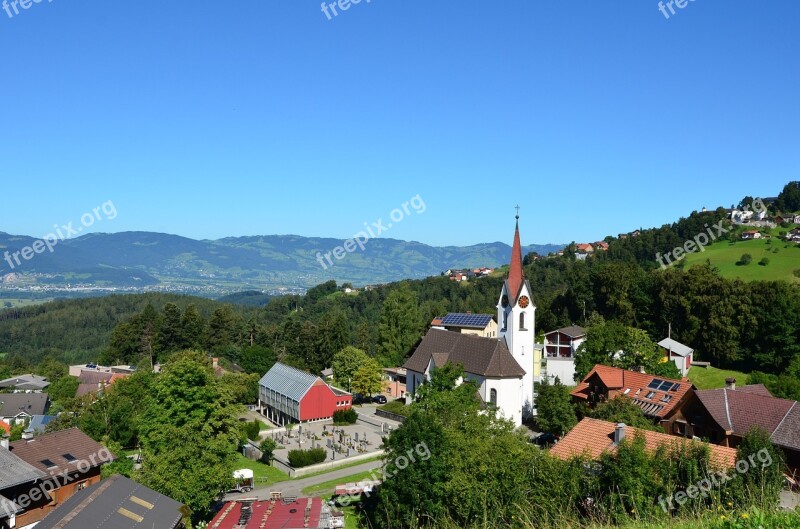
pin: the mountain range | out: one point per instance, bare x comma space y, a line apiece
157, 261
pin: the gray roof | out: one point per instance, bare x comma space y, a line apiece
115, 503
787, 434
487, 357
25, 382
39, 422
288, 381
676, 347
14, 471
11, 404
573, 331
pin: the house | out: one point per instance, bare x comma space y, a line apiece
467, 323
37, 425
17, 479
659, 398
394, 382
681, 355
299, 513
601, 246
16, 408
25, 383
726, 415
118, 503
327, 373
592, 438
751, 234
288, 395
584, 248
69, 460
559, 349
90, 382
503, 366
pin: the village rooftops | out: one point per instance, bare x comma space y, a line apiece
593, 438
13, 404
115, 503
65, 450
278, 514
656, 396
25, 383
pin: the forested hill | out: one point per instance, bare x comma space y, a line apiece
141, 259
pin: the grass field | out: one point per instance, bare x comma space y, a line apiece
326, 488
784, 258
712, 378
7, 303
263, 474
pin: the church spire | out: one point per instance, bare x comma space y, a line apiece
515, 273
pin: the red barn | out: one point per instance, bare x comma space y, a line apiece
289, 395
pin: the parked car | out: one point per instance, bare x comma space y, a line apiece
545, 439
358, 398
379, 399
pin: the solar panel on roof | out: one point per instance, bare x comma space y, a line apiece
665, 386
655, 384
675, 386
467, 320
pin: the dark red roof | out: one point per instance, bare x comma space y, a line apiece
56, 452
515, 274
305, 512
738, 411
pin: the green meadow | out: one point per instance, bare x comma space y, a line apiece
784, 259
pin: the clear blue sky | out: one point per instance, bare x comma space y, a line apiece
211, 119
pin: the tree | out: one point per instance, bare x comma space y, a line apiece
400, 327
193, 327
267, 447
367, 378
554, 411
333, 335
170, 336
745, 259
345, 364
789, 199
189, 434
621, 409
224, 328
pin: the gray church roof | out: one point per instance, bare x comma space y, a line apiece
288, 381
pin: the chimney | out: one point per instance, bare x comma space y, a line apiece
4, 443
730, 383
619, 433
215, 362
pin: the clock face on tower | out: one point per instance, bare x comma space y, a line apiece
524, 302
504, 301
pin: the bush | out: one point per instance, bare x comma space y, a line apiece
764, 261
267, 448
304, 458
397, 407
745, 260
250, 430
342, 417
796, 273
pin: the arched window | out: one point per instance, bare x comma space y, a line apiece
522, 321
493, 397
505, 321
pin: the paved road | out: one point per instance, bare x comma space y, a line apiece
295, 487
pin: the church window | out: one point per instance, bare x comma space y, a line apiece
493, 397
522, 321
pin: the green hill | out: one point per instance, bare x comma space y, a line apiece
784, 259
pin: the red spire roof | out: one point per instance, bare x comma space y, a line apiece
515, 274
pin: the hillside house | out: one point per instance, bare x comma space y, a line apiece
681, 355
288, 395
726, 415
16, 408
750, 235
394, 382
559, 351
659, 398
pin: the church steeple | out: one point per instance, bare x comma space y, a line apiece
515, 274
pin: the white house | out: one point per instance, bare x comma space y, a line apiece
681, 355
560, 347
502, 366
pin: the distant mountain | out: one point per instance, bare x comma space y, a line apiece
159, 261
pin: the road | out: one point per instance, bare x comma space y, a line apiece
295, 487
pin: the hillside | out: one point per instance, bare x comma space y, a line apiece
784, 259
144, 261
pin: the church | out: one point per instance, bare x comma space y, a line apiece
503, 366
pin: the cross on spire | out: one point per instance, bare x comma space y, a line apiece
517, 208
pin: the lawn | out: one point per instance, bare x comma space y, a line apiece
712, 378
326, 488
724, 255
263, 474
348, 465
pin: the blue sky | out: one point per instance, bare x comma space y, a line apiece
211, 119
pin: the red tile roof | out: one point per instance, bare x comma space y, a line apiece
592, 437
633, 384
